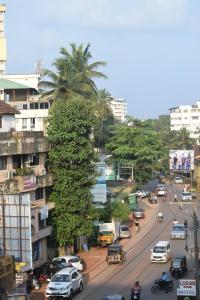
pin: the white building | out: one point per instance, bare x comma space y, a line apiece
186, 116
2, 40
21, 92
119, 109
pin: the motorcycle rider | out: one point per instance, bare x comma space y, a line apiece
136, 289
137, 225
160, 215
164, 279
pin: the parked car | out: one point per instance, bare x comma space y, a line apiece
178, 231
138, 213
124, 232
114, 297
178, 179
140, 193
64, 283
75, 261
161, 190
161, 252
186, 196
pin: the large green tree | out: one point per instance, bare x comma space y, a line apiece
138, 146
71, 160
73, 75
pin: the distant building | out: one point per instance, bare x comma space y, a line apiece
119, 109
186, 116
2, 40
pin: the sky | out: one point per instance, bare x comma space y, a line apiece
152, 47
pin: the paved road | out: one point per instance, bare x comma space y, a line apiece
118, 279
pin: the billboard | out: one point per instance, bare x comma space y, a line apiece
181, 160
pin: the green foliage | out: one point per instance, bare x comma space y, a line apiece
120, 211
71, 159
73, 75
104, 118
24, 172
135, 144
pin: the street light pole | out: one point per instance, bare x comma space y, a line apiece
196, 249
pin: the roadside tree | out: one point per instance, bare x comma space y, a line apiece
71, 158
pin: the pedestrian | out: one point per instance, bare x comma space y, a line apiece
137, 224
175, 197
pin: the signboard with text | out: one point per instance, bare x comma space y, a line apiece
187, 289
181, 160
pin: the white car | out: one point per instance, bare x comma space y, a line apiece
186, 196
178, 179
178, 231
64, 283
140, 193
161, 252
75, 261
161, 190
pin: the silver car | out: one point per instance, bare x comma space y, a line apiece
138, 213
178, 231
124, 232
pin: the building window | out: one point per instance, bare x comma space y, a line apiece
41, 223
39, 194
24, 123
0, 121
195, 118
185, 110
3, 163
35, 160
32, 122
24, 106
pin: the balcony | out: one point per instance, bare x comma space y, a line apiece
20, 184
23, 142
43, 233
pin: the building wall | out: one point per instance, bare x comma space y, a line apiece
8, 123
30, 80
119, 109
186, 116
3, 53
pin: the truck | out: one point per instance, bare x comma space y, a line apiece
8, 289
108, 233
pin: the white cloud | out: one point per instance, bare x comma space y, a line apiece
117, 13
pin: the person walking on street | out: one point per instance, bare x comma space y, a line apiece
175, 197
137, 225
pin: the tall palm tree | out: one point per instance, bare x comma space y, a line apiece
73, 74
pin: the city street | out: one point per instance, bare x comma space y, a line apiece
115, 279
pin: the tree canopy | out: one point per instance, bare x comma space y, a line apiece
73, 74
71, 158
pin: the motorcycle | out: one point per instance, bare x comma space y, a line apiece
135, 294
159, 285
36, 283
160, 219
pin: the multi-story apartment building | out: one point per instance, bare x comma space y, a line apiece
119, 109
25, 184
21, 92
186, 116
2, 40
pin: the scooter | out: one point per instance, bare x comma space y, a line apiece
36, 284
135, 294
160, 219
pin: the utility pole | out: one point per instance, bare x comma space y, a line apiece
196, 249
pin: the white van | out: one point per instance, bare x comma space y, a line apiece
161, 252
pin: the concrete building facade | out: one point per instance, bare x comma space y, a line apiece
2, 40
186, 116
119, 109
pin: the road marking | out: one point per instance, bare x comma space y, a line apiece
181, 203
